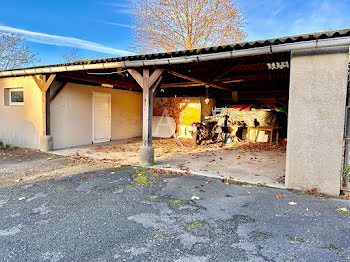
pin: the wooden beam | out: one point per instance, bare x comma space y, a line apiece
147, 109
157, 86
253, 77
56, 90
155, 76
48, 83
183, 84
44, 84
242, 68
38, 81
98, 80
137, 76
199, 81
47, 114
43, 110
233, 81
148, 84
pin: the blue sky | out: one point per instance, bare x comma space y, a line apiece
101, 28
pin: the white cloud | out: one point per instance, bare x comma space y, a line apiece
117, 24
123, 11
122, 8
122, 5
64, 41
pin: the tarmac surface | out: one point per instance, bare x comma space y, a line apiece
130, 214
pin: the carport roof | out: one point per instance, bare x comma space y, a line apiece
336, 34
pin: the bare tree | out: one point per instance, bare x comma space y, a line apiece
168, 25
14, 53
72, 55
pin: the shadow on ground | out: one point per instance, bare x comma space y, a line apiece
246, 162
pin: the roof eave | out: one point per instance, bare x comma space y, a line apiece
278, 48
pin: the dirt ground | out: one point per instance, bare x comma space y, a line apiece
22, 166
257, 163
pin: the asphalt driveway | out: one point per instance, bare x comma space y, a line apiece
125, 214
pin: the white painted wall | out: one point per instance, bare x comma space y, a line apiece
71, 115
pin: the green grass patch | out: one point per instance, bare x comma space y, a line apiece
153, 197
141, 172
177, 201
196, 226
259, 235
141, 180
331, 247
293, 238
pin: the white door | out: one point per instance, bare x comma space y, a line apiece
101, 117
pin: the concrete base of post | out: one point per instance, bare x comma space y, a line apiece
146, 155
46, 143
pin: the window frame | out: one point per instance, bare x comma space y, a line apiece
15, 90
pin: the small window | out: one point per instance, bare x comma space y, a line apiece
16, 97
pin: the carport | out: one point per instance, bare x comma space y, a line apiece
309, 71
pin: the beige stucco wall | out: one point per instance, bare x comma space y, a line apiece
318, 89
71, 115
21, 125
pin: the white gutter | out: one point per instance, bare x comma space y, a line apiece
314, 44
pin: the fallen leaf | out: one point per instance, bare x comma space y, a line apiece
112, 173
279, 196
31, 169
249, 192
319, 196
345, 196
212, 198
49, 158
311, 191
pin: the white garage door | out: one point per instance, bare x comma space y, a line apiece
101, 118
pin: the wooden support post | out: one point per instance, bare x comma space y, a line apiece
157, 86
147, 109
147, 82
44, 84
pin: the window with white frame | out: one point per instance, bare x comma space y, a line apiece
16, 97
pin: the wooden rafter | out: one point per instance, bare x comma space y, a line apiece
152, 79
241, 68
137, 76
158, 85
183, 84
155, 76
199, 81
99, 80
251, 77
56, 90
